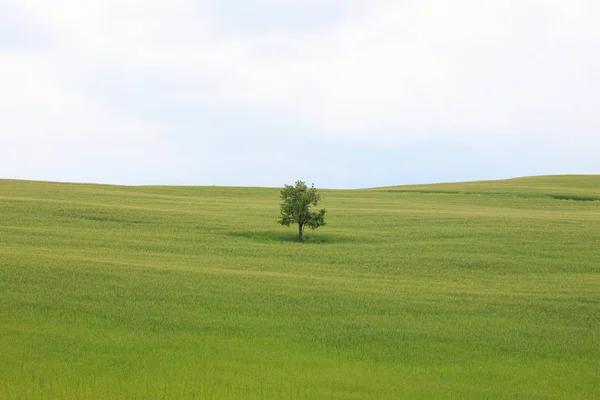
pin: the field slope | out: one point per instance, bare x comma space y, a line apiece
466, 290
561, 187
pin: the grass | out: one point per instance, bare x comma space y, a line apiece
560, 187
473, 290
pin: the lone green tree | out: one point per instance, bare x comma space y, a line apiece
295, 208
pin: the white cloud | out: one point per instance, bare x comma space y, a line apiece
382, 72
53, 132
461, 68
413, 69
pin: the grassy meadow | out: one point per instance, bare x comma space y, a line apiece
484, 290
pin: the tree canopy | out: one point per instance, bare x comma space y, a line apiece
295, 209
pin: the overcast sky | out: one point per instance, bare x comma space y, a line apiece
341, 93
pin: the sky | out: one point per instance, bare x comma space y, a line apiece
339, 93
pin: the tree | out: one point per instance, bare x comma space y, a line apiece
295, 208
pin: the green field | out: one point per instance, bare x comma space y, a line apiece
470, 290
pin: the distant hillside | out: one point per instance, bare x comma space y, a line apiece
568, 187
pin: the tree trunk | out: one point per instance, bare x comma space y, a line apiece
300, 229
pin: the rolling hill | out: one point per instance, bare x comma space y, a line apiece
463, 290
